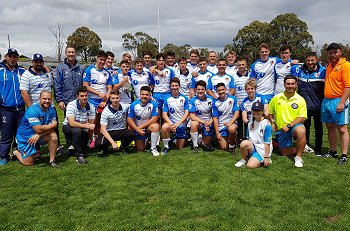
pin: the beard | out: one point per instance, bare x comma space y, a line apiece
38, 68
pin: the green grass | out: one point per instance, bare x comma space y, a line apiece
181, 191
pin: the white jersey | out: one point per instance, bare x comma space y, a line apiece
98, 80
246, 104
226, 79
264, 73
212, 68
201, 76
175, 68
240, 81
202, 108
185, 81
35, 83
260, 135
142, 113
115, 119
162, 83
231, 70
176, 108
81, 115
225, 110
139, 80
192, 67
281, 71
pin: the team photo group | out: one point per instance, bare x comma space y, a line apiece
207, 103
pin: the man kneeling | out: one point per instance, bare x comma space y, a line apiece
113, 126
37, 127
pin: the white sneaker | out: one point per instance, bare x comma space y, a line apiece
308, 149
299, 163
71, 147
240, 163
154, 152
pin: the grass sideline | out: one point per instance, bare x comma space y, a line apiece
181, 191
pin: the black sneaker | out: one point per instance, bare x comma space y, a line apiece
123, 150
81, 160
330, 154
195, 150
208, 148
165, 151
60, 150
342, 160
54, 164
232, 150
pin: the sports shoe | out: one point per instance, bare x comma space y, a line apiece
154, 152
207, 148
240, 163
165, 151
54, 164
298, 162
195, 150
308, 149
71, 150
330, 154
59, 150
232, 150
4, 161
342, 160
81, 160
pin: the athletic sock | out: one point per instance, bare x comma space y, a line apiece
344, 155
194, 137
166, 142
154, 139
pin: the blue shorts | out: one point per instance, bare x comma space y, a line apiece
224, 132
181, 132
160, 98
26, 149
208, 133
256, 155
95, 102
269, 97
329, 113
285, 139
145, 137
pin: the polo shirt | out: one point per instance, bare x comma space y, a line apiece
337, 78
81, 115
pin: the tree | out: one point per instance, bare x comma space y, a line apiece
138, 43
57, 32
86, 43
181, 51
284, 29
324, 56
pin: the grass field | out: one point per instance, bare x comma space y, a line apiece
181, 191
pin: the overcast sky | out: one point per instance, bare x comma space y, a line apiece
210, 24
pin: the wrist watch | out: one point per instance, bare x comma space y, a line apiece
289, 126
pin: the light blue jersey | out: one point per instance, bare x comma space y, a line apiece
201, 76
185, 81
162, 83
226, 79
212, 68
139, 80
202, 108
98, 80
240, 81
246, 104
282, 69
224, 110
259, 135
142, 113
176, 107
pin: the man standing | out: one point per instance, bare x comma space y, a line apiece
202, 74
68, 76
212, 59
288, 112
78, 121
11, 102
335, 105
221, 77
37, 127
311, 77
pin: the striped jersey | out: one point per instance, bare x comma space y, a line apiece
115, 119
81, 115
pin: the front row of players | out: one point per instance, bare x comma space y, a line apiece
139, 122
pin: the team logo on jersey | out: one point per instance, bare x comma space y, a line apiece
239, 88
287, 67
227, 79
138, 117
33, 120
209, 104
230, 103
166, 72
208, 76
294, 105
260, 75
272, 62
4, 119
199, 112
144, 73
40, 85
149, 109
135, 82
181, 101
262, 131
317, 74
186, 80
336, 69
157, 82
172, 110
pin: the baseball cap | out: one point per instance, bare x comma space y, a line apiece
12, 51
333, 46
37, 56
257, 106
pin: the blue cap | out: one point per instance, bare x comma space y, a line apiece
12, 51
37, 57
257, 106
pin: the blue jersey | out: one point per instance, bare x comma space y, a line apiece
176, 108
202, 108
226, 79
139, 80
142, 113
10, 94
246, 104
34, 116
98, 80
264, 73
224, 110
162, 83
282, 69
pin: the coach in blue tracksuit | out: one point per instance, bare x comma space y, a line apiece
311, 78
11, 102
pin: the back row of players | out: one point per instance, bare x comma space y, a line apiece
218, 89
